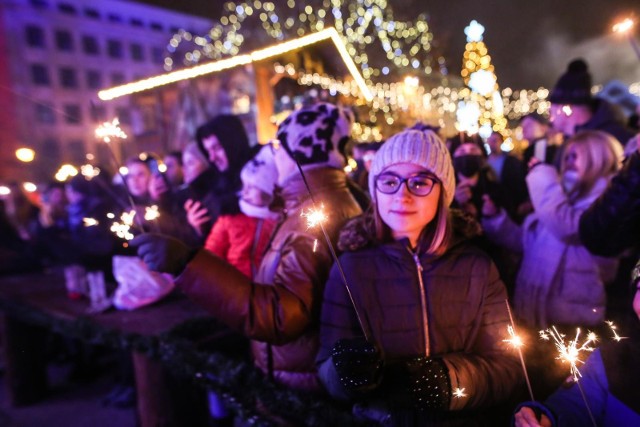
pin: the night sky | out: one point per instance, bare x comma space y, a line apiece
530, 41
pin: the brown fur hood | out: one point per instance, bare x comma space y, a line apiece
358, 232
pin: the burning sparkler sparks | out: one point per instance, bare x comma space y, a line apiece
108, 130
625, 28
517, 343
151, 213
90, 222
613, 328
570, 352
122, 228
315, 217
459, 393
89, 171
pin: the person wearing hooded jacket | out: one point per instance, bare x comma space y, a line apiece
224, 142
279, 308
416, 332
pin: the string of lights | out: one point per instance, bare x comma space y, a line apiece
365, 26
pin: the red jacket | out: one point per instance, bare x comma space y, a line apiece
241, 240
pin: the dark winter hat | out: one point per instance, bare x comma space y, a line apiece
574, 86
316, 135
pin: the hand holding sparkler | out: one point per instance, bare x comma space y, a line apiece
163, 253
108, 132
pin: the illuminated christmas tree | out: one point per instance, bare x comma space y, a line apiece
482, 109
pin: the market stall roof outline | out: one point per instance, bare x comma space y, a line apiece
245, 59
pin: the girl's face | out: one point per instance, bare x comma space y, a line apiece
403, 212
255, 196
573, 160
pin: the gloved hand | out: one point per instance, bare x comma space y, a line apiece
427, 382
163, 253
358, 364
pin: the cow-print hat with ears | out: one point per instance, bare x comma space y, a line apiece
316, 135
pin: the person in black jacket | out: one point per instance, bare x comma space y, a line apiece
224, 142
612, 223
611, 226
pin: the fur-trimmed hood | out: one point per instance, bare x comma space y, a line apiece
359, 232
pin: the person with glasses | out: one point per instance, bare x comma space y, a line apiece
416, 332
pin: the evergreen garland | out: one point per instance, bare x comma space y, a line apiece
243, 387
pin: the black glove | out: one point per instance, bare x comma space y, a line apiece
427, 383
358, 364
163, 253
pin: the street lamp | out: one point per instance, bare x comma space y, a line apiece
624, 27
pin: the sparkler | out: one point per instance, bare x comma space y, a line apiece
109, 131
517, 343
122, 228
89, 222
314, 218
624, 27
613, 328
319, 218
459, 393
151, 213
569, 352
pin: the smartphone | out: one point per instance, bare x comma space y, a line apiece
540, 150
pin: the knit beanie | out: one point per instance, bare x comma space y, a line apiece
261, 171
574, 86
423, 149
316, 135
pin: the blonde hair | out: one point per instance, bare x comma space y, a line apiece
435, 236
602, 154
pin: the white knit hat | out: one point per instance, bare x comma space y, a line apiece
421, 148
261, 171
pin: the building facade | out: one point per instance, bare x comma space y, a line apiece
55, 55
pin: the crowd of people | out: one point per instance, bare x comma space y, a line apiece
399, 303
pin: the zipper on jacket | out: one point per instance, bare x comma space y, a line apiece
423, 303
